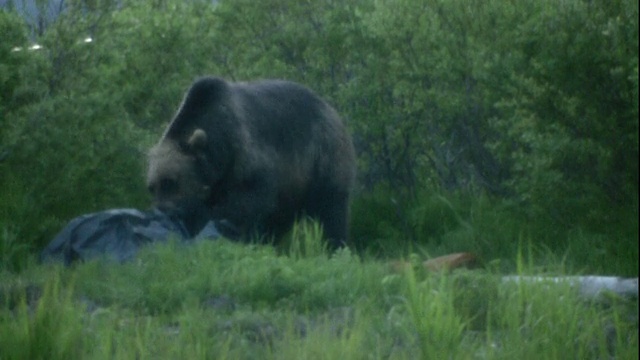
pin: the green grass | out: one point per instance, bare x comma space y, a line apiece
221, 300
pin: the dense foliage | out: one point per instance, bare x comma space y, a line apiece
530, 104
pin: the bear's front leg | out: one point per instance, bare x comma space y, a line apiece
243, 209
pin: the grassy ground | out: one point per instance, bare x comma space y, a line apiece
220, 300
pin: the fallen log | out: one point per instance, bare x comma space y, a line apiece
590, 287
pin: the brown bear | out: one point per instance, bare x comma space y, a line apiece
255, 157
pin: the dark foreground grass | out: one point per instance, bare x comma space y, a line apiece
220, 300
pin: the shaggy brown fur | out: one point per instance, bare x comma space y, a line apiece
257, 155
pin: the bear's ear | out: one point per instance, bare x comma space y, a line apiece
198, 140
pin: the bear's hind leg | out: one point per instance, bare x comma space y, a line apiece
331, 209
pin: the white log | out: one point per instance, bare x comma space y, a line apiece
591, 287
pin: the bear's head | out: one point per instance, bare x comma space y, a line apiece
176, 178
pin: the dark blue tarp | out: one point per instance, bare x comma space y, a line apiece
117, 234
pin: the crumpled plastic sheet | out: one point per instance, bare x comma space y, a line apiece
118, 234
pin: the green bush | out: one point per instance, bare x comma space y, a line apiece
533, 104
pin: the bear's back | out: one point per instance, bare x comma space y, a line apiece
284, 116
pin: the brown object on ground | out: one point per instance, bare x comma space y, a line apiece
446, 262
451, 261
